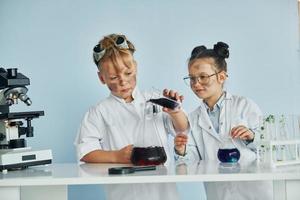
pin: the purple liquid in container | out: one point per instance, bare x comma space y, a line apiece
229, 155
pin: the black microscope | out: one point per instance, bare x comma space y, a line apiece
16, 126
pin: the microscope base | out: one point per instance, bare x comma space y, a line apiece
14, 159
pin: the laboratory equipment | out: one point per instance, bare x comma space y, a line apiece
166, 102
148, 148
227, 152
153, 155
158, 99
279, 145
230, 155
14, 153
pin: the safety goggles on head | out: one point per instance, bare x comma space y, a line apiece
119, 42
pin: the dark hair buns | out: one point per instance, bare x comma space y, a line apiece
221, 49
198, 50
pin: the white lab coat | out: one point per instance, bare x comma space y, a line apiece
113, 124
204, 143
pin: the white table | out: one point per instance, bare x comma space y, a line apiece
50, 182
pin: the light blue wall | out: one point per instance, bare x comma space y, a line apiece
51, 42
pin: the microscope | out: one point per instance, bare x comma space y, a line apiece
16, 126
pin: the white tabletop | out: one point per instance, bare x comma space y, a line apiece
73, 174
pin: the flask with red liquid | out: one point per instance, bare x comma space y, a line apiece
148, 148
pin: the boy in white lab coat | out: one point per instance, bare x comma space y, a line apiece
219, 117
110, 128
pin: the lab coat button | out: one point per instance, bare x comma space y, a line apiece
209, 127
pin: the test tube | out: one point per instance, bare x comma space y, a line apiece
291, 126
298, 151
270, 127
282, 127
297, 127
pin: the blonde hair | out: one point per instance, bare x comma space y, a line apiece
112, 51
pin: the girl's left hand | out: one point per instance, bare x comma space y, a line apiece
242, 132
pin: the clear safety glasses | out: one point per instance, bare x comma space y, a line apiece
202, 79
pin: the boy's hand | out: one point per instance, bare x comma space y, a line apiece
180, 142
242, 132
172, 95
123, 155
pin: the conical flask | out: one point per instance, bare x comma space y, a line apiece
148, 148
228, 152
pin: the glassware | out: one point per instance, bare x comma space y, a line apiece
151, 155
283, 147
288, 130
297, 127
148, 149
293, 126
227, 153
297, 152
261, 130
165, 102
282, 127
270, 127
158, 99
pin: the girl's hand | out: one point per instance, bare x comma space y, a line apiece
180, 142
242, 132
123, 155
175, 96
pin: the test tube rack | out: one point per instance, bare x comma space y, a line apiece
270, 149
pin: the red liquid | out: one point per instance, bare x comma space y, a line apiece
165, 102
148, 155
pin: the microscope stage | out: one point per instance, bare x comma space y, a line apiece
21, 115
13, 159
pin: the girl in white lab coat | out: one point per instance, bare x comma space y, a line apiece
217, 112
110, 128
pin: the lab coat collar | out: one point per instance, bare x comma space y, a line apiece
121, 100
137, 103
218, 104
204, 120
205, 123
